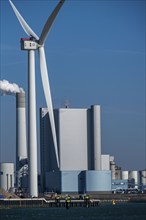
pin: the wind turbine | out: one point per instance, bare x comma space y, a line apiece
32, 44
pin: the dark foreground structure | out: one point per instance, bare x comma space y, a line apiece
68, 201
42, 202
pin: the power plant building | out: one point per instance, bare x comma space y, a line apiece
7, 176
79, 147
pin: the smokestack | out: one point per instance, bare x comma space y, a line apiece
21, 143
96, 127
7, 88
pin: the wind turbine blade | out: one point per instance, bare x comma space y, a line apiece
49, 22
23, 23
47, 92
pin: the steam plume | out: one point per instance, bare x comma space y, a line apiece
7, 88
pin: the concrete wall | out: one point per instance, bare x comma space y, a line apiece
73, 142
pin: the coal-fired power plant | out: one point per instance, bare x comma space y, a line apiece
71, 160
21, 142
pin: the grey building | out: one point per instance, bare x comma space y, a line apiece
79, 146
79, 181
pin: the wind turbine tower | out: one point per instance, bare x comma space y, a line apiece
32, 44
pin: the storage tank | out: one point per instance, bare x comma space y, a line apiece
6, 176
143, 178
134, 178
125, 175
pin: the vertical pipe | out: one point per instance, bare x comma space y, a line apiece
96, 136
7, 176
11, 181
32, 129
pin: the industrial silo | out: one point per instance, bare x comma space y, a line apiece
125, 175
143, 179
134, 179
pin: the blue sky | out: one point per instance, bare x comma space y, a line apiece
95, 55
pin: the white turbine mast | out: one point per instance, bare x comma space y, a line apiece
32, 44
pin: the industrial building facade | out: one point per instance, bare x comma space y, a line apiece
82, 166
79, 147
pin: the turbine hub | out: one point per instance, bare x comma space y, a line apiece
29, 44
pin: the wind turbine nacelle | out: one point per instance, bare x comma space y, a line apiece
28, 44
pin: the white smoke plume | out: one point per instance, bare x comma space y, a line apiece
7, 88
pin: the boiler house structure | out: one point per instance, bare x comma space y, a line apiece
79, 147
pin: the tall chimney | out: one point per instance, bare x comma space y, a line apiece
96, 127
21, 143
